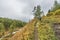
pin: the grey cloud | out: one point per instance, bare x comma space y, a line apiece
22, 9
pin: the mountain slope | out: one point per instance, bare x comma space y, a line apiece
44, 32
26, 33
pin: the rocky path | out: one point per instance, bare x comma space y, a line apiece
57, 30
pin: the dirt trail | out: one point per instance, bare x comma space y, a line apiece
35, 32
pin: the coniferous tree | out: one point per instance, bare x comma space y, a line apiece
56, 6
37, 12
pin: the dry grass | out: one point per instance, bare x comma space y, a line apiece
25, 32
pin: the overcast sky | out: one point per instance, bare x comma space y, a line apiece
22, 9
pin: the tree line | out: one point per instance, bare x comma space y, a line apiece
10, 24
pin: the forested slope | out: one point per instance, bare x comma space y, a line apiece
45, 31
9, 25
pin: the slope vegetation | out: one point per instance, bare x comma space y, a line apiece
45, 32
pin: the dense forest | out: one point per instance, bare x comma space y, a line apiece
7, 24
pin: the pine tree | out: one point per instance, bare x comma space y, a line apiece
37, 12
56, 6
